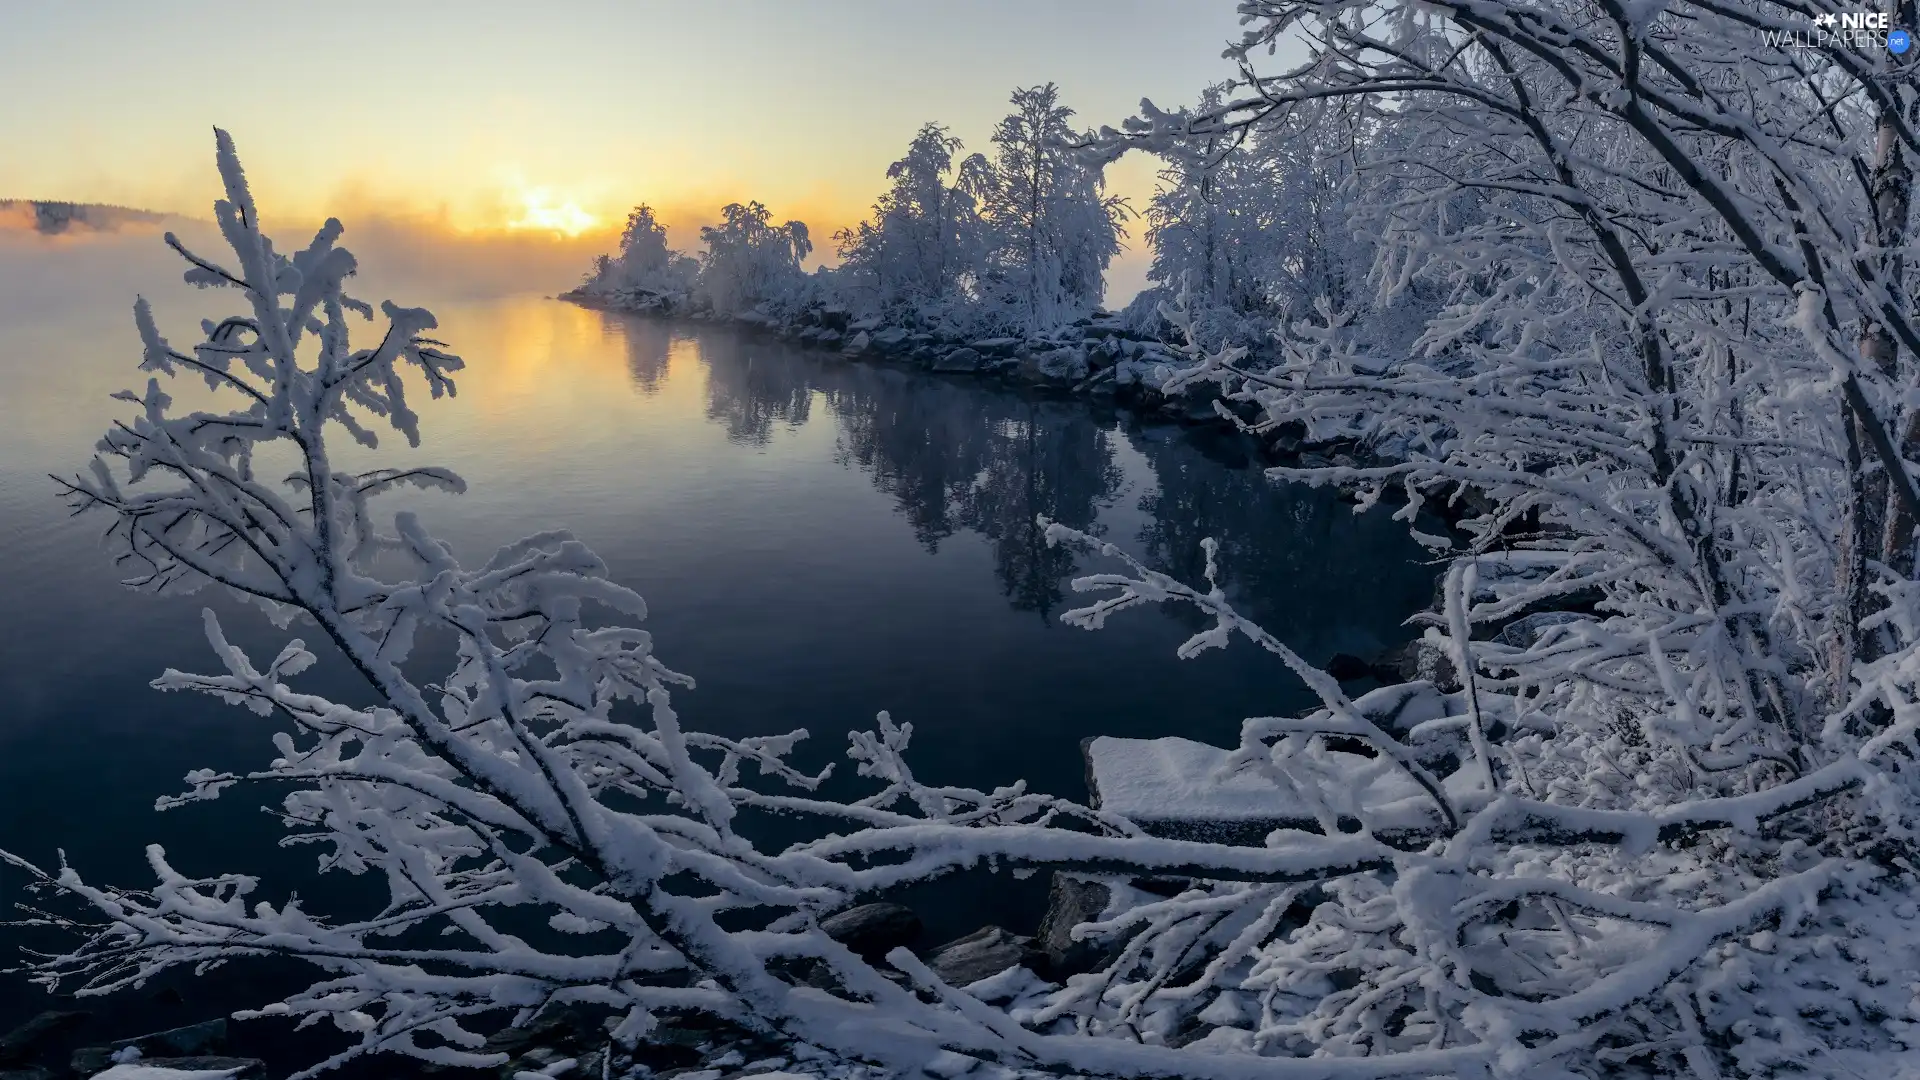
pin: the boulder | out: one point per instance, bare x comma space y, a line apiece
859, 345
999, 346
565, 1027
873, 930
835, 318
870, 323
809, 336
1070, 902
1347, 667
1526, 631
190, 1041
966, 360
987, 951
1054, 367
27, 1040
98, 1061
891, 340
830, 339
1418, 659
1064, 365
237, 1067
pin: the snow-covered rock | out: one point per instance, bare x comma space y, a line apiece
1186, 790
193, 1068
873, 929
998, 346
965, 360
986, 952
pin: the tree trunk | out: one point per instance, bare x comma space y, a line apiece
1880, 527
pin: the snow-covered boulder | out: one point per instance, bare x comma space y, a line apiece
757, 319
187, 1068
873, 929
986, 952
1186, 790
1053, 367
859, 345
961, 360
891, 340
999, 346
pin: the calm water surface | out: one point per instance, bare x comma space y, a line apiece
817, 541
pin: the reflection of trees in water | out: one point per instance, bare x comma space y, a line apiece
1289, 554
1046, 458
957, 457
752, 386
951, 456
649, 343
920, 440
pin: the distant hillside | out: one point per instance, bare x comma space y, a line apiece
58, 217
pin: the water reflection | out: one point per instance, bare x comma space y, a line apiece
649, 346
957, 456
954, 457
751, 388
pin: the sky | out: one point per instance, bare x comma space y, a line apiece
480, 120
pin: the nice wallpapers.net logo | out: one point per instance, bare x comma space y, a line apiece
1845, 30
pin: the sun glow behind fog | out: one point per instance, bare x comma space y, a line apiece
542, 211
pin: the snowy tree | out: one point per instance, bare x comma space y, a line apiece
925, 238
1054, 229
645, 259
645, 272
1660, 236
749, 260
1212, 227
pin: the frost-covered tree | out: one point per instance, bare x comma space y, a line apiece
645, 259
749, 260
1656, 237
645, 272
1254, 227
1211, 224
1054, 228
925, 239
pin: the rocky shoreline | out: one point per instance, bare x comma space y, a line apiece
1097, 358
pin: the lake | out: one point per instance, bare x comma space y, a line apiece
817, 541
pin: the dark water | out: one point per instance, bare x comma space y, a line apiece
817, 541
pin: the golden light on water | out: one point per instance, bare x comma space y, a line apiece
542, 211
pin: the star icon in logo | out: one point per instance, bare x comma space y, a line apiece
1825, 20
